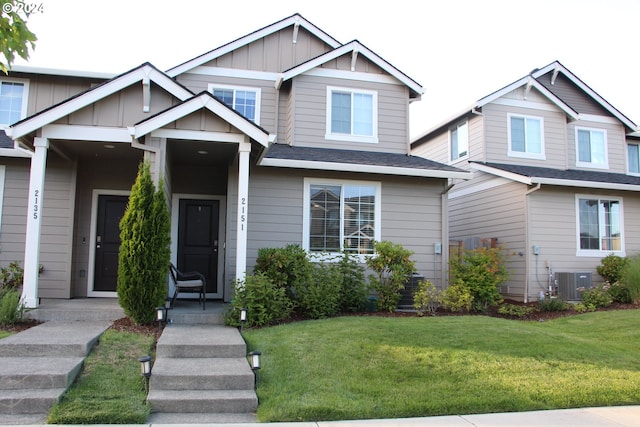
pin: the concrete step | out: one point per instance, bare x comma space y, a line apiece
54, 339
18, 402
203, 401
198, 341
24, 419
201, 418
20, 373
202, 374
193, 317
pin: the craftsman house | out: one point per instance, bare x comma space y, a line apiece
556, 179
282, 136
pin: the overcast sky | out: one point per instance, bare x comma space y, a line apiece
458, 50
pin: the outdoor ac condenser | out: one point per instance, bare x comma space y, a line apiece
569, 283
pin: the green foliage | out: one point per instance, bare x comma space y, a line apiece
611, 267
482, 271
457, 297
287, 267
630, 279
15, 37
620, 293
11, 309
11, 277
266, 302
144, 250
514, 310
552, 304
596, 297
583, 308
393, 267
353, 289
426, 298
319, 297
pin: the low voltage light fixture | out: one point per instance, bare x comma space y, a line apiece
243, 318
161, 316
254, 357
145, 370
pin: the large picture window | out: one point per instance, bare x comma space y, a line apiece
526, 137
591, 147
13, 101
600, 225
352, 115
341, 216
245, 101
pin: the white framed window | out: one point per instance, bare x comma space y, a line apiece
526, 136
600, 225
245, 100
591, 148
13, 100
352, 115
341, 216
633, 159
459, 142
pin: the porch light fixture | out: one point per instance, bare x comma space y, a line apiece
243, 318
145, 368
255, 363
109, 146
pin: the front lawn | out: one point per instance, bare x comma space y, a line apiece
377, 367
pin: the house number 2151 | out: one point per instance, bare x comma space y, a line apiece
243, 216
36, 204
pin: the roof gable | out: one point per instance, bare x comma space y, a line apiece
295, 20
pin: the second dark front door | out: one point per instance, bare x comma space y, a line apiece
110, 211
198, 239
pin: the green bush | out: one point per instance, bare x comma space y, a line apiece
482, 271
457, 297
11, 309
319, 297
143, 263
353, 289
514, 310
286, 267
11, 277
426, 298
266, 303
630, 279
552, 304
611, 267
393, 267
596, 297
620, 293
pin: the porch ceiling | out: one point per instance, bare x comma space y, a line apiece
103, 150
201, 153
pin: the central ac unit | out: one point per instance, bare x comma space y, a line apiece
569, 283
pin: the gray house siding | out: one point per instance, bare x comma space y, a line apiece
616, 145
572, 95
14, 209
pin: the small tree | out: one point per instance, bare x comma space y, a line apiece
144, 250
393, 267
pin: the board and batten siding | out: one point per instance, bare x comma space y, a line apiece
310, 114
495, 211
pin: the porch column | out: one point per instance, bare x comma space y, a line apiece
34, 216
244, 150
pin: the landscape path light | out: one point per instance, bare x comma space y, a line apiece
255, 363
145, 370
243, 318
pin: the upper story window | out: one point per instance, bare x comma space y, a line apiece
352, 115
459, 137
341, 216
591, 148
245, 101
13, 100
599, 225
526, 136
633, 158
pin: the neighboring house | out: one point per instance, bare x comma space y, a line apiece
282, 136
556, 179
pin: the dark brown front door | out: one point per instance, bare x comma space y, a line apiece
198, 239
110, 211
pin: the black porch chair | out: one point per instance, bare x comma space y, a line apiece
188, 282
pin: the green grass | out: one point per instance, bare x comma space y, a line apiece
4, 334
110, 389
376, 367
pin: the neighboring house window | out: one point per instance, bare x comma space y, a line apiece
633, 154
352, 115
341, 216
526, 137
245, 101
13, 100
600, 225
591, 147
459, 141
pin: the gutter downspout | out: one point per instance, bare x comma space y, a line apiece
527, 268
444, 208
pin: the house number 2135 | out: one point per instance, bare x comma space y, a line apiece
243, 212
36, 204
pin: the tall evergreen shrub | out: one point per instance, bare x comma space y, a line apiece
144, 250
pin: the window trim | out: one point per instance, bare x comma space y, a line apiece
451, 130
606, 149
256, 90
525, 154
373, 139
306, 216
599, 252
25, 97
628, 159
